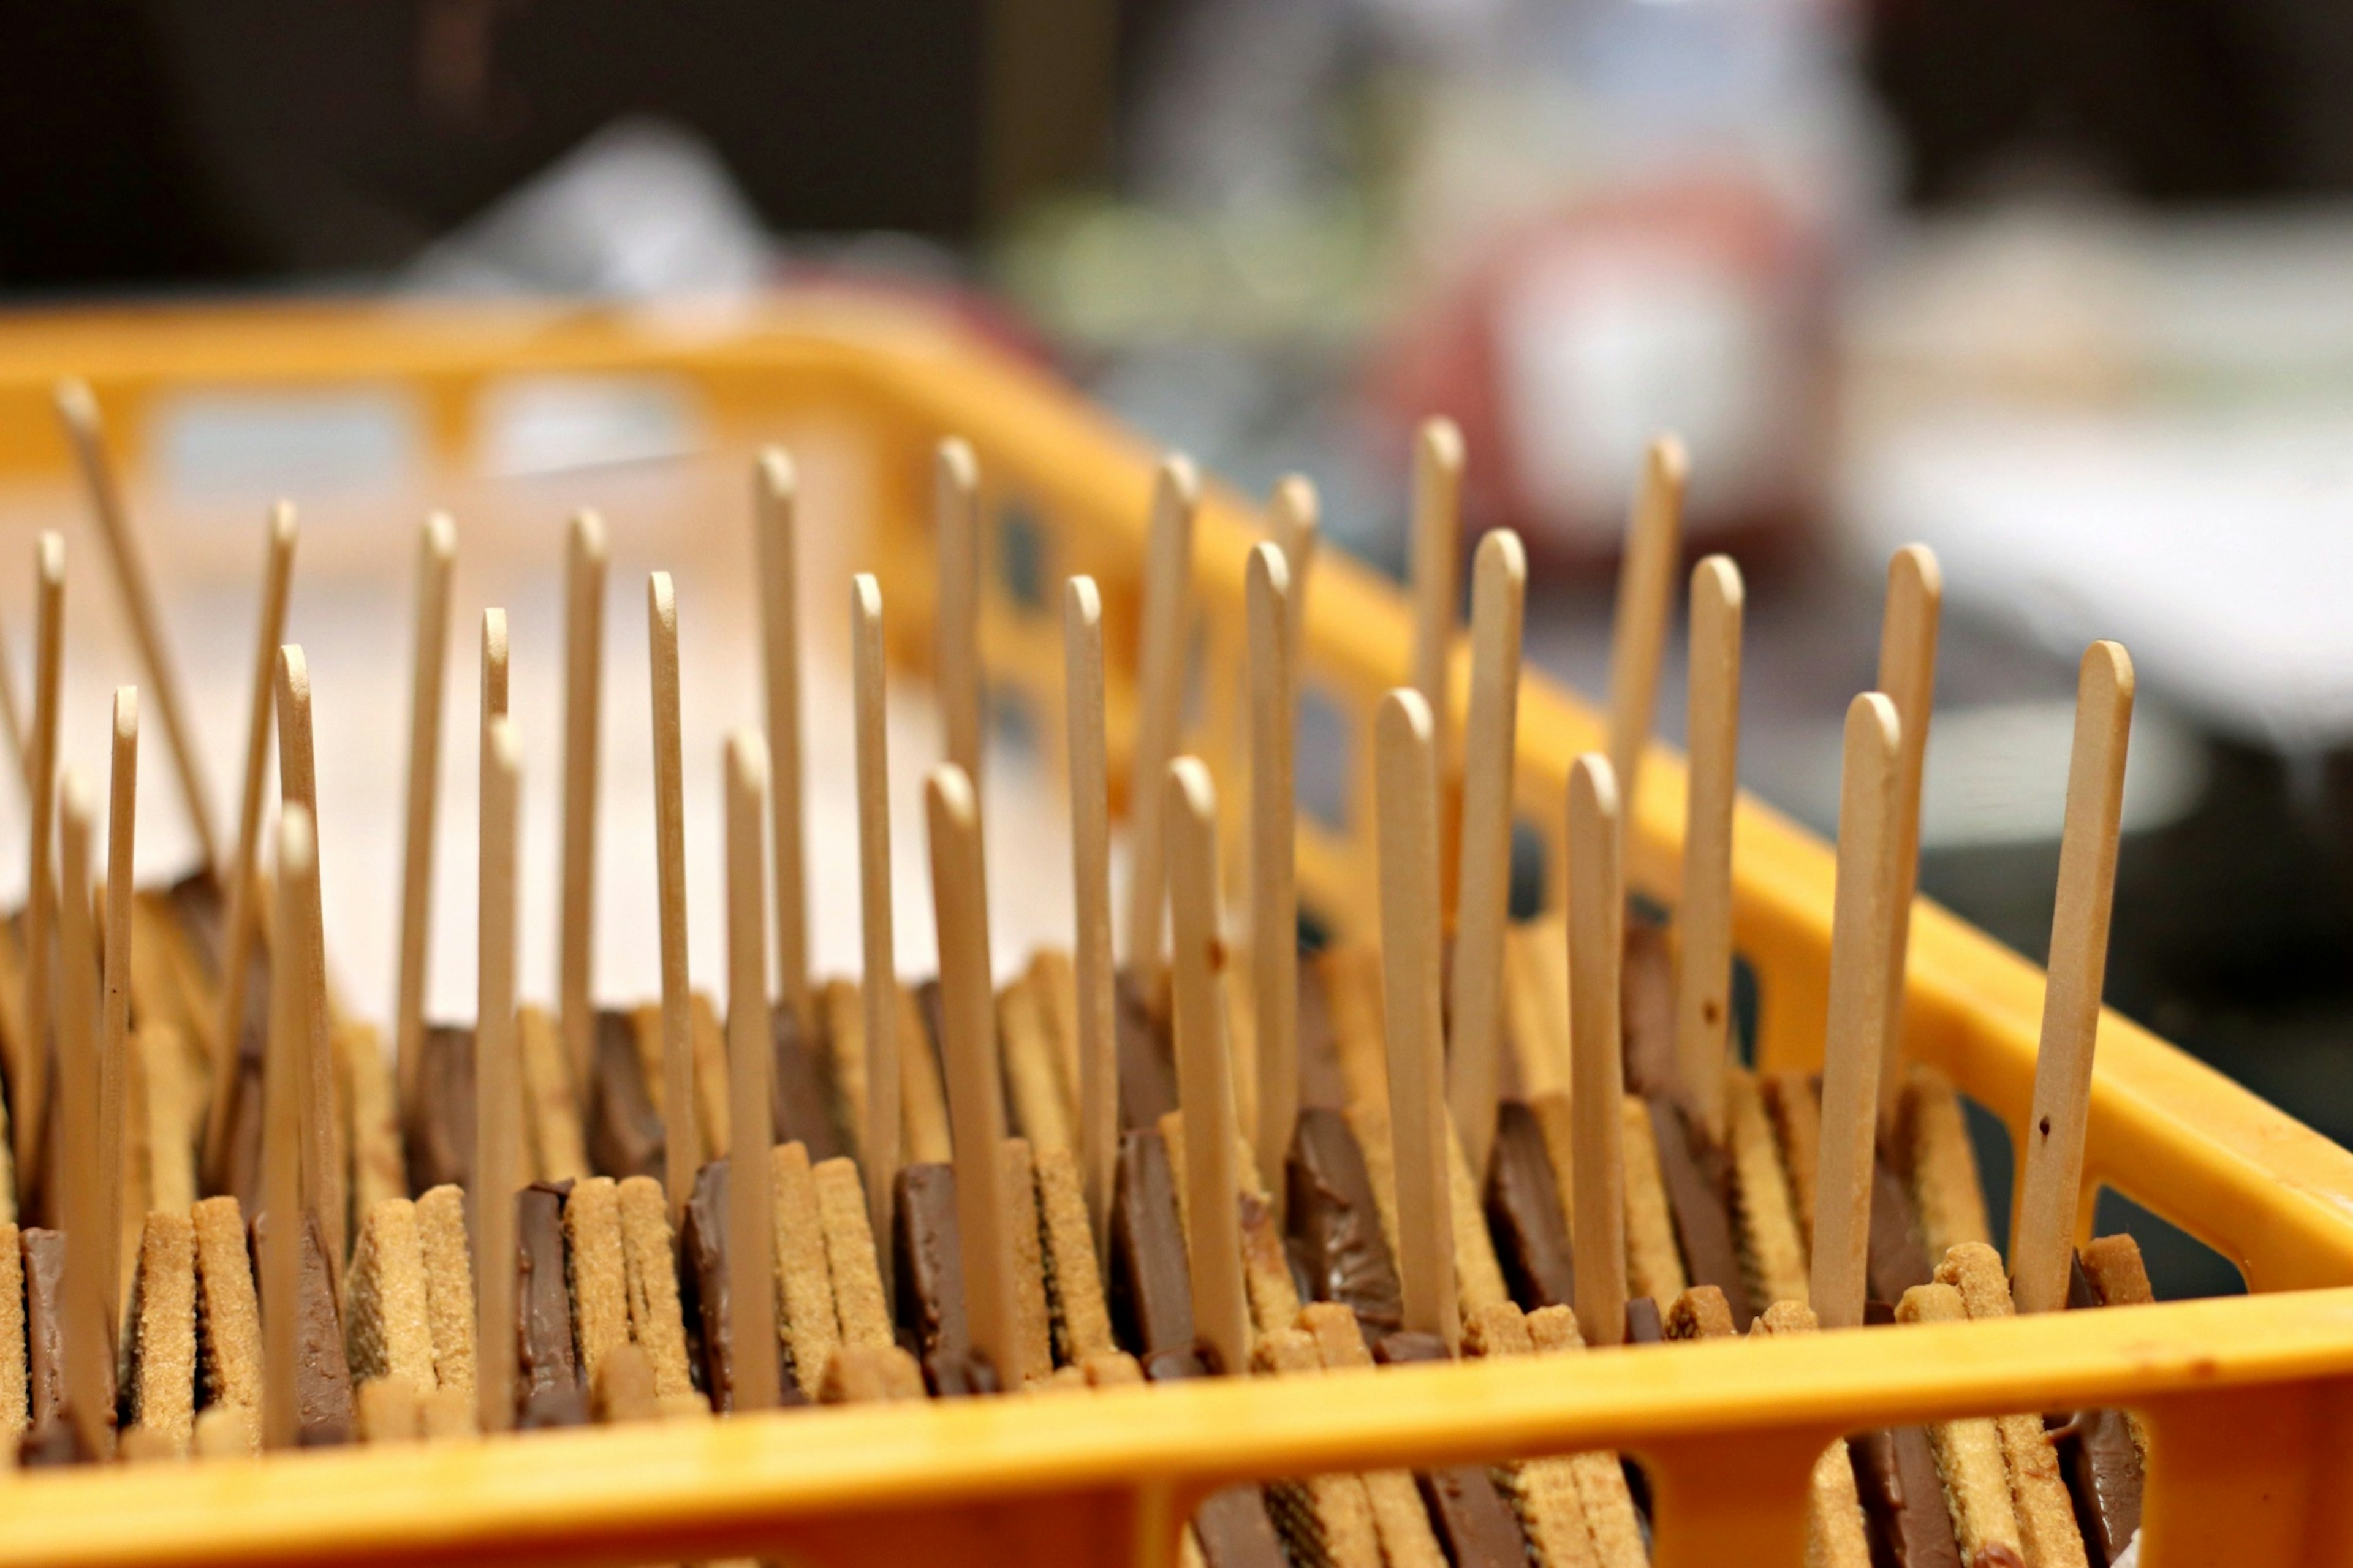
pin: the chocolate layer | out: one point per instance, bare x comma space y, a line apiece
1524, 1212
1321, 1082
546, 1364
1699, 1181
1899, 1248
1147, 1059
798, 1095
624, 1132
1151, 1287
1335, 1225
50, 1444
959, 1374
702, 1246
439, 1134
2099, 1458
929, 1263
1903, 1499
241, 1175
196, 902
1643, 1324
45, 1349
324, 1415
1232, 1525
1647, 1005
1479, 1529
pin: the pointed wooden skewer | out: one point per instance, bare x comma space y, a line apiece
879, 990
776, 499
584, 680
114, 1033
1274, 883
1294, 521
976, 1103
1907, 674
1437, 546
246, 895
682, 1141
1204, 1086
283, 1090
498, 1081
956, 626
435, 554
90, 1331
78, 410
1160, 668
750, 1064
1597, 925
1858, 1010
1414, 1021
1483, 907
1704, 923
1646, 588
1082, 674
2051, 1192
297, 782
29, 1074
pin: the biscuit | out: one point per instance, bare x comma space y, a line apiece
1796, 1108
14, 1379
1535, 1002
2048, 1534
1400, 1520
1836, 1533
1478, 1273
595, 1260
378, 1168
1324, 1519
228, 1432
1073, 1274
162, 1352
387, 1327
1042, 1109
707, 1037
845, 1047
228, 1321
1609, 1513
859, 1304
1543, 1491
1772, 1247
448, 1288
1700, 1313
649, 1257
869, 1374
808, 1322
1968, 1452
2114, 1264
1266, 1268
1941, 1162
1054, 979
167, 1125
389, 1411
558, 1150
622, 1388
1031, 1318
923, 1095
1112, 1369
1654, 1264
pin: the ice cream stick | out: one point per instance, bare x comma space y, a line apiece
1907, 674
1474, 1057
498, 1082
90, 1328
1083, 674
297, 781
956, 649
1704, 922
1415, 1023
2071, 996
1274, 883
282, 1093
1596, 926
584, 559
1204, 1072
1160, 666
114, 1032
78, 410
436, 553
776, 500
751, 1063
1858, 1012
245, 891
1646, 587
975, 1104
1436, 546
29, 1074
878, 1140
681, 1140
1295, 521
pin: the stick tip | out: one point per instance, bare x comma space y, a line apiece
957, 467
2107, 673
282, 529
1872, 729
747, 762
440, 537
1297, 501
126, 715
588, 534
1438, 445
1716, 579
866, 597
1269, 572
1405, 718
50, 557
1190, 792
662, 602
294, 669
77, 405
1593, 788
947, 791
778, 478
1178, 480
1914, 570
1669, 462
1082, 603
76, 802
1501, 552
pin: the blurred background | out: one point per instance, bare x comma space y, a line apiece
2063, 287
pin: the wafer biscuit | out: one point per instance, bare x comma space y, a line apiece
2048, 1534
1543, 1491
1478, 1273
558, 1150
1772, 1247
1042, 1107
622, 1388
1323, 1520
170, 1125
845, 1047
808, 1323
1796, 1110
859, 1304
388, 1410
228, 1432
1112, 1369
371, 1109
2117, 1272
13, 1391
1940, 1162
1700, 1313
1073, 1273
1535, 1002
1054, 979
387, 1326
1654, 1264
1969, 1451
869, 1374
649, 1257
708, 1037
595, 1260
1399, 1519
923, 1092
1610, 1515
1031, 1321
229, 1317
1266, 1269
1836, 1532
449, 1286
162, 1352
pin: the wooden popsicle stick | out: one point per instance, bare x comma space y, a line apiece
1499, 581
89, 1333
955, 648
1294, 522
29, 1074
1704, 923
114, 1030
585, 558
1646, 587
78, 411
1597, 927
436, 555
1858, 1010
750, 1064
12, 717
878, 1140
283, 1094
775, 501
297, 783
1274, 872
1205, 1088
975, 1104
494, 664
1907, 674
1436, 545
2053, 1183
1160, 670
498, 1082
245, 890
1082, 676
682, 1141
1414, 1021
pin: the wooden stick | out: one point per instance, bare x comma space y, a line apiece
879, 990
435, 554
750, 1064
1415, 1023
976, 1105
1858, 1010
30, 1075
498, 1081
1437, 547
90, 1335
1907, 674
1160, 668
1499, 581
584, 559
12, 718
955, 647
775, 501
1294, 522
1703, 955
494, 681
1597, 927
1082, 676
1274, 872
78, 410
2053, 1184
281, 1133
297, 782
114, 1035
244, 890
682, 1143
1204, 1086
1646, 587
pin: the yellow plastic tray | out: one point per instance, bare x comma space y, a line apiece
2247, 1401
